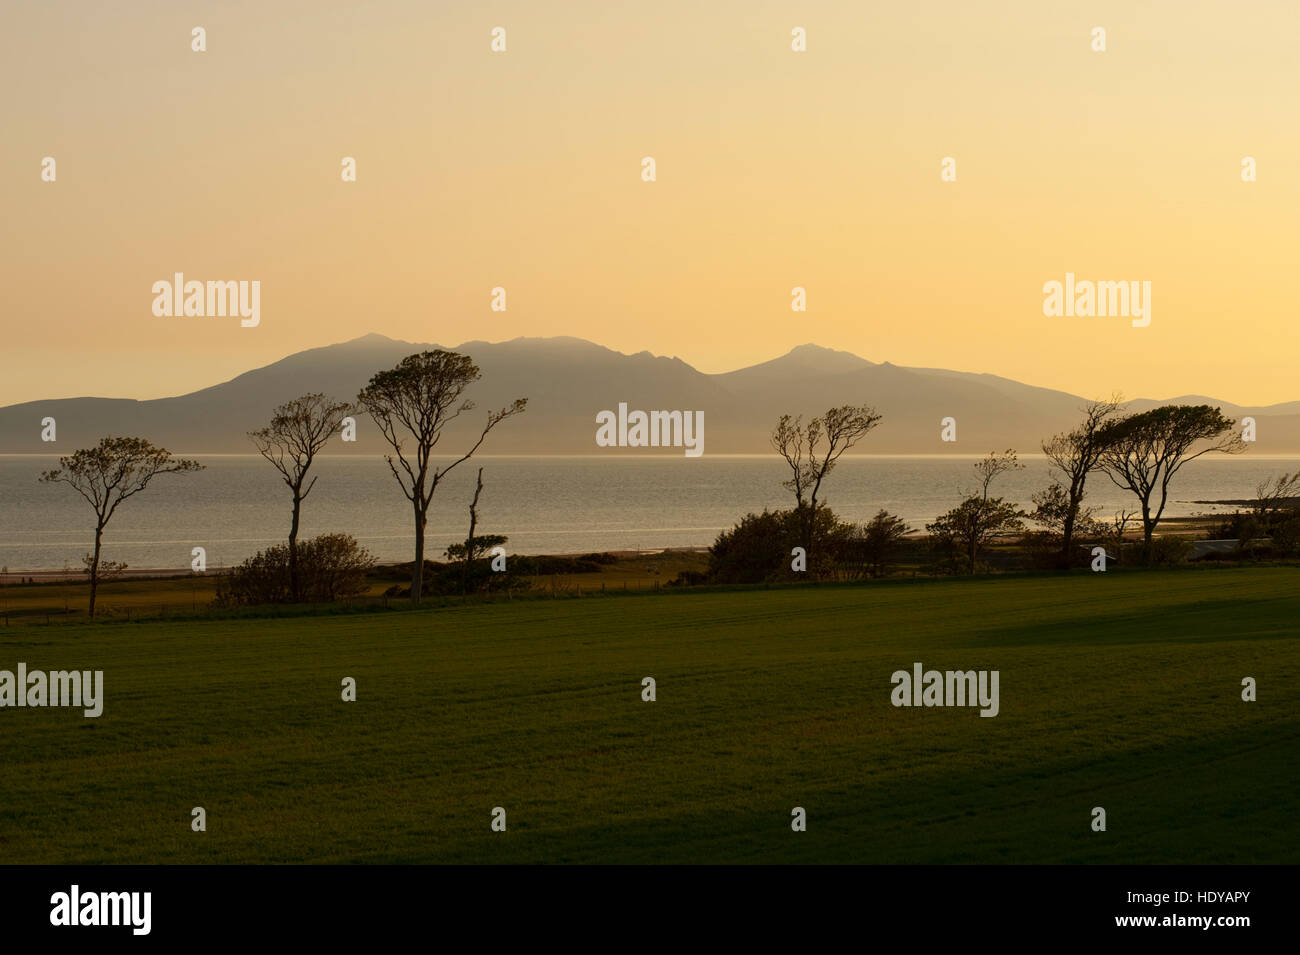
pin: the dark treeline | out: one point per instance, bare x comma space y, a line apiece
1140, 452
412, 403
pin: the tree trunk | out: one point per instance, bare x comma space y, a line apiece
417, 573
295, 586
469, 541
1148, 532
1067, 531
94, 569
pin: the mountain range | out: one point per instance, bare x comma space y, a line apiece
568, 380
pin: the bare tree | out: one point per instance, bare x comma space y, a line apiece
419, 398
296, 434
841, 428
1076, 454
1142, 453
995, 464
470, 542
108, 474
1118, 529
1276, 498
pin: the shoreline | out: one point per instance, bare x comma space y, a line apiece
1180, 526
17, 577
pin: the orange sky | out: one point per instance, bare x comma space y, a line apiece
775, 169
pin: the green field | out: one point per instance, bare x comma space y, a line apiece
1120, 691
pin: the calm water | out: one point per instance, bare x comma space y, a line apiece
543, 504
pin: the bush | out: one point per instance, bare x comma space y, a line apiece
329, 567
445, 580
1286, 536
333, 566
758, 548
1042, 550
689, 578
873, 548
754, 550
1169, 551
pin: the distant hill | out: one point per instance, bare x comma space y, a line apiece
568, 380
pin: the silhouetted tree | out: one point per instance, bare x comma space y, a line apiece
475, 544
1076, 454
419, 398
879, 540
841, 428
297, 432
971, 526
1142, 452
108, 474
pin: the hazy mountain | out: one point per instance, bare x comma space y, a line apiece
568, 380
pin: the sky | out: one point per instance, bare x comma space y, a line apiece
775, 169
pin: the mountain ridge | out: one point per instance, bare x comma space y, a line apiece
568, 380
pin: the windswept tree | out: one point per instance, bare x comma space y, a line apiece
802, 448
299, 429
879, 540
108, 474
1142, 453
993, 466
963, 532
411, 404
1076, 454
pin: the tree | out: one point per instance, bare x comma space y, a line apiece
1076, 454
108, 474
993, 465
298, 430
473, 545
976, 521
1275, 512
879, 540
842, 428
1142, 453
420, 397
969, 527
1277, 499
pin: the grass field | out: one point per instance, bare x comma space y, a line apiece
1120, 691
184, 595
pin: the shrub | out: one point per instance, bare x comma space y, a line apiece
874, 547
1169, 551
1286, 536
689, 578
757, 549
330, 566
754, 550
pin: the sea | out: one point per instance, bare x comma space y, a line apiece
545, 505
